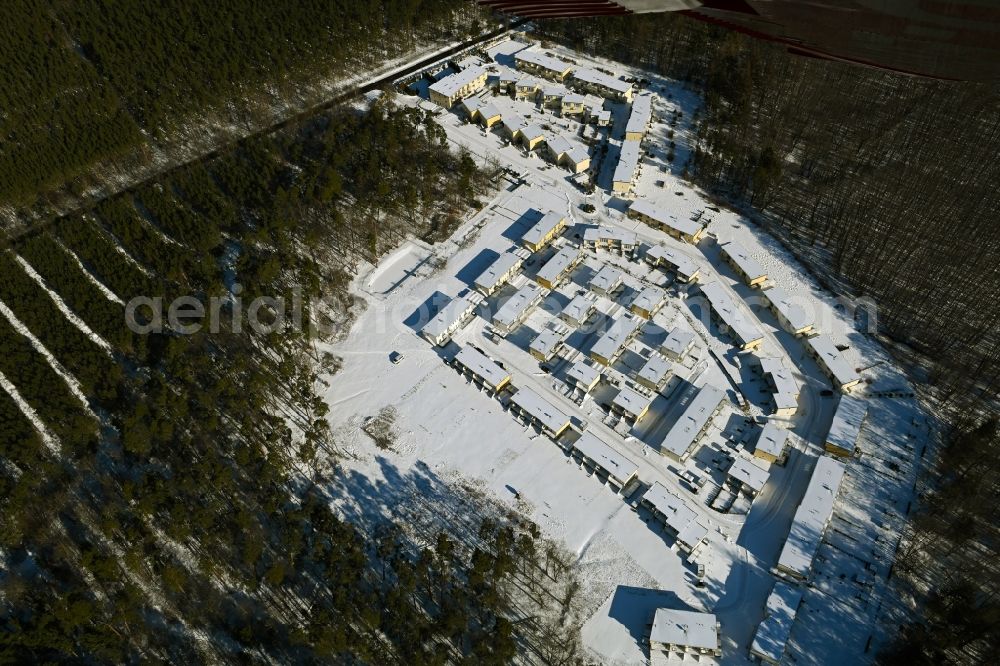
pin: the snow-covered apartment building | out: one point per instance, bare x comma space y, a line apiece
500, 272
842, 440
679, 519
610, 238
685, 632
744, 332
792, 316
597, 453
547, 228
784, 388
680, 440
589, 80
539, 412
541, 64
658, 218
448, 320
638, 120
748, 268
683, 267
559, 266
772, 444
811, 519
832, 362
611, 344
625, 170
517, 308
649, 301
481, 369
452, 88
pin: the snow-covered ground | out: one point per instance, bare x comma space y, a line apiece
449, 431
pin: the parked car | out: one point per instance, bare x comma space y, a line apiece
395, 357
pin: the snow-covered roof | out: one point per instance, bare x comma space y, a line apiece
740, 324
832, 360
649, 298
675, 259
642, 111
617, 335
445, 320
698, 631
772, 440
604, 234
542, 228
532, 132
450, 85
593, 77
559, 144
678, 516
786, 389
607, 279
748, 472
612, 462
471, 105
489, 110
560, 262
630, 401
554, 90
798, 317
513, 122
661, 216
655, 370
779, 615
811, 517
546, 341
695, 418
578, 308
573, 98
481, 365
540, 409
514, 309
583, 373
627, 162
603, 116
498, 270
678, 341
528, 82
541, 61
738, 254
847, 421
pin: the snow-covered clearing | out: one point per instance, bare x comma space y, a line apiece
47, 437
449, 431
71, 383
61, 304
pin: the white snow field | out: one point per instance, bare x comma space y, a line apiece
630, 564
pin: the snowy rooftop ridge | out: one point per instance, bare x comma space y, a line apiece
811, 518
642, 111
779, 615
695, 418
698, 631
847, 421
739, 323
628, 160
595, 448
481, 365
